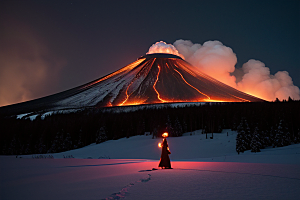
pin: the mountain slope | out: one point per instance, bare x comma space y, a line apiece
153, 78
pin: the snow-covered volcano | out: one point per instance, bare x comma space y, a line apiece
153, 78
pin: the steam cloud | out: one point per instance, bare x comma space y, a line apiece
162, 47
218, 61
27, 68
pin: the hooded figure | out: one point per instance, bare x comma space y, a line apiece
164, 159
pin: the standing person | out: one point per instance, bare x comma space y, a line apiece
164, 162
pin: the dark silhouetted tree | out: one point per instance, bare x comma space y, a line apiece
242, 139
101, 135
177, 128
255, 141
67, 144
282, 135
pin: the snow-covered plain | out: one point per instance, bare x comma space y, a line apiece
202, 169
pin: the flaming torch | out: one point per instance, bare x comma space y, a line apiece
164, 135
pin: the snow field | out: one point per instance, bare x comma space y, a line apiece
190, 147
202, 169
130, 179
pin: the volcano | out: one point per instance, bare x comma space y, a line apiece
155, 78
151, 79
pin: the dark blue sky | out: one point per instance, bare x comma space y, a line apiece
93, 38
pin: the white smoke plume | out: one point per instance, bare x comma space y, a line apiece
27, 69
257, 80
212, 58
162, 47
218, 61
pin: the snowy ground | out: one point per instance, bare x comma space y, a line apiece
202, 169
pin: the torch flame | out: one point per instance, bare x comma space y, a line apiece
159, 145
165, 134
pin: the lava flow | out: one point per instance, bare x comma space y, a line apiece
155, 85
191, 85
155, 78
166, 78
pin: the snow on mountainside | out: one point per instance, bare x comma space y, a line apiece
152, 79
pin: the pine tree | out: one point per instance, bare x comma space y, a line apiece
169, 126
67, 144
57, 143
101, 135
141, 128
255, 142
278, 139
272, 134
184, 127
264, 139
240, 142
4, 149
177, 128
79, 141
282, 135
243, 137
290, 99
297, 137
154, 133
40, 147
13, 147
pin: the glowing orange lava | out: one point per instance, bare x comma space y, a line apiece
245, 100
159, 145
155, 85
259, 95
174, 81
127, 96
191, 85
216, 100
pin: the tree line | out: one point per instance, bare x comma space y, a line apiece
259, 125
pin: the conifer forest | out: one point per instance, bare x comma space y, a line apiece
259, 125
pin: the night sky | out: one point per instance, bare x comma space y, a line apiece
51, 46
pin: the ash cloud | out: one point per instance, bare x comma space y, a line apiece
27, 69
218, 61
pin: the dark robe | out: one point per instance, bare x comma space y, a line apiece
164, 159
